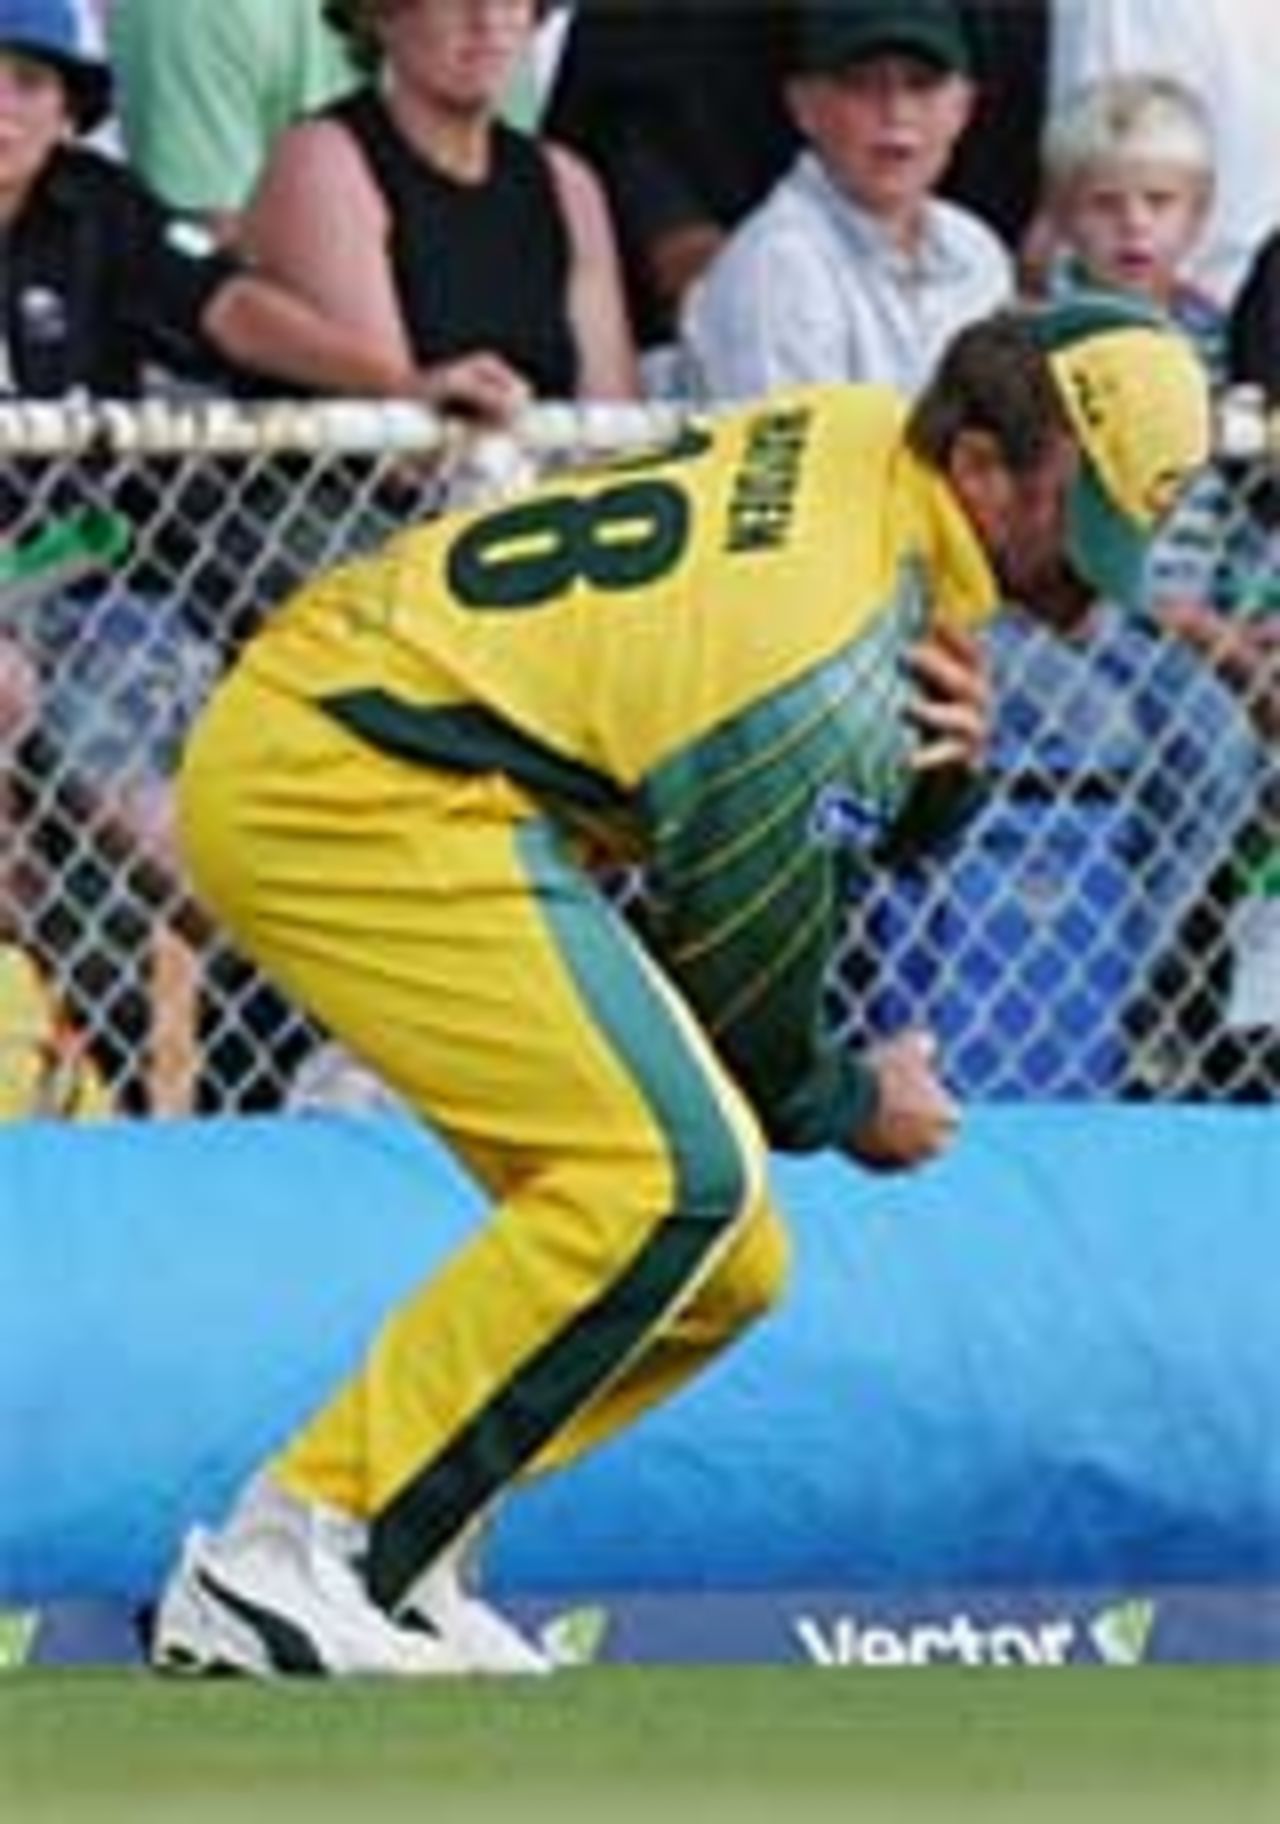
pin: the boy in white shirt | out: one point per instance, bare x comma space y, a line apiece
853, 268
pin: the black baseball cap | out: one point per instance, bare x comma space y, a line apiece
827, 36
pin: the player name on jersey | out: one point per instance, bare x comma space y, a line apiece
767, 482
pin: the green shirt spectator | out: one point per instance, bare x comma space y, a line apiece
204, 87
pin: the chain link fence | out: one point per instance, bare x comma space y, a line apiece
1108, 927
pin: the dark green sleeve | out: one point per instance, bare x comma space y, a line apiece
825, 1107
758, 832
810, 1091
750, 943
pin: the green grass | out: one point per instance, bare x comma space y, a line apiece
789, 1745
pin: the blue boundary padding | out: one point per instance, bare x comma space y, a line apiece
1048, 1360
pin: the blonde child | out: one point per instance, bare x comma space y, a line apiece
1129, 180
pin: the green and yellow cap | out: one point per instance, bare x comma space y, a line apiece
1138, 401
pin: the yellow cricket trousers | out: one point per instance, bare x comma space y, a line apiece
440, 925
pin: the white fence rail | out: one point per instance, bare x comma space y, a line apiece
1102, 931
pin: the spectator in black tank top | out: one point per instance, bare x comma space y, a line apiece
411, 213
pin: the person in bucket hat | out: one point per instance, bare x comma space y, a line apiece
49, 31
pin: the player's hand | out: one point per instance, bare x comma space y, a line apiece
952, 703
916, 1115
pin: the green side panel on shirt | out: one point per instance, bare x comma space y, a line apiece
747, 878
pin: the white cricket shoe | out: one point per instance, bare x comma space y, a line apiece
441, 1607
269, 1601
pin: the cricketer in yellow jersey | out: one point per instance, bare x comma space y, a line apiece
748, 661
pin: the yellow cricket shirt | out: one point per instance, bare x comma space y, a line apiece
697, 654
